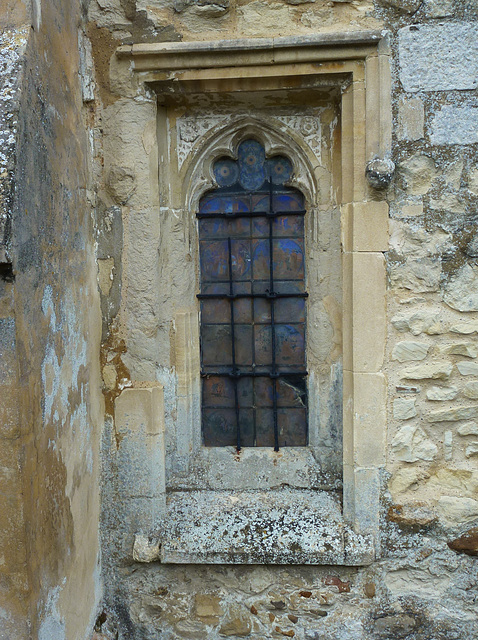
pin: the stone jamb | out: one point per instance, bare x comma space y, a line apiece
173, 69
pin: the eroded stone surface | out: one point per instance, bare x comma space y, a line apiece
439, 57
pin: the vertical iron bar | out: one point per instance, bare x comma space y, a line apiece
233, 349
273, 330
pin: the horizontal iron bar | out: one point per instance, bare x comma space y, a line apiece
252, 374
250, 214
234, 296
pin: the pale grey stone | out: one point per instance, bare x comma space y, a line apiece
417, 173
457, 509
406, 351
468, 429
468, 349
455, 124
439, 57
411, 443
439, 8
404, 408
405, 6
465, 327
467, 368
410, 119
145, 549
439, 394
418, 322
452, 415
471, 450
432, 371
461, 291
448, 445
471, 390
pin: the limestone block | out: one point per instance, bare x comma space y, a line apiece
457, 509
410, 119
468, 349
417, 173
7, 351
257, 18
448, 445
236, 624
439, 394
473, 181
411, 443
404, 408
432, 371
145, 548
465, 327
461, 291
139, 422
406, 351
405, 6
471, 390
365, 304
471, 450
412, 514
412, 210
448, 201
451, 415
439, 8
365, 226
418, 322
467, 368
439, 57
468, 429
367, 441
208, 607
455, 124
406, 479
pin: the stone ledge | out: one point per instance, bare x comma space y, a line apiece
251, 51
259, 527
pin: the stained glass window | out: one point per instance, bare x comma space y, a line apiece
253, 312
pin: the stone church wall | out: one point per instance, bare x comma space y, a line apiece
83, 173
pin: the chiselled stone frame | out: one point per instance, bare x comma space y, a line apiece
358, 63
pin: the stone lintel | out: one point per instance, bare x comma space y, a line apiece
251, 51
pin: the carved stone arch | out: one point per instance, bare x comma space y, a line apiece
197, 175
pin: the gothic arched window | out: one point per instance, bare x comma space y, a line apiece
253, 311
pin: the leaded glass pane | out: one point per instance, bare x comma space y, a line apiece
253, 313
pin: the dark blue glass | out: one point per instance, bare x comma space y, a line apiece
253, 307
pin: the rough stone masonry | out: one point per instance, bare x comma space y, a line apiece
95, 268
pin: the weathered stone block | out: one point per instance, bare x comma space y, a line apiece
468, 349
411, 443
467, 543
456, 509
404, 408
451, 415
439, 394
439, 57
410, 119
467, 368
417, 173
432, 371
471, 390
406, 351
468, 429
455, 124
471, 450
